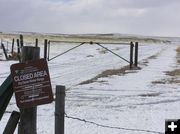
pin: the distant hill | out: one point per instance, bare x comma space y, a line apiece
101, 38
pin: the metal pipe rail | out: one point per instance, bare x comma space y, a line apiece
82, 43
65, 51
117, 43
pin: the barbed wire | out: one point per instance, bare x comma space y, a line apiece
111, 127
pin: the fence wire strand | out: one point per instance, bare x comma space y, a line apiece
111, 127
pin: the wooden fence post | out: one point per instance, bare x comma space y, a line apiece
18, 50
21, 41
7, 46
45, 48
12, 51
48, 49
12, 123
36, 43
4, 50
18, 46
1, 41
28, 117
136, 55
59, 109
131, 54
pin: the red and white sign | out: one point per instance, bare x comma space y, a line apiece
31, 83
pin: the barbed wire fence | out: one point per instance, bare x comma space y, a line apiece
108, 126
105, 126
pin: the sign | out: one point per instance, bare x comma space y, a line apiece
31, 83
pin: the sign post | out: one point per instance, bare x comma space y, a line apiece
29, 83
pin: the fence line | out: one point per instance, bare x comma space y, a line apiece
111, 127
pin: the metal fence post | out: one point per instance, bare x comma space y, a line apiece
131, 54
136, 55
45, 48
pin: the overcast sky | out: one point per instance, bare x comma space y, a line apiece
144, 17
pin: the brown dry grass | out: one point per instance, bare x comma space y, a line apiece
171, 80
178, 50
159, 82
153, 56
121, 71
150, 95
107, 73
124, 70
178, 55
174, 74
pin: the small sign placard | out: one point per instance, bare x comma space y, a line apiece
31, 83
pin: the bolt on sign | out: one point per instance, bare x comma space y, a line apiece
31, 83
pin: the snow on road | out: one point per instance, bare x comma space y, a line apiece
129, 104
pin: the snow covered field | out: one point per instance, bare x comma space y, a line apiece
131, 103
